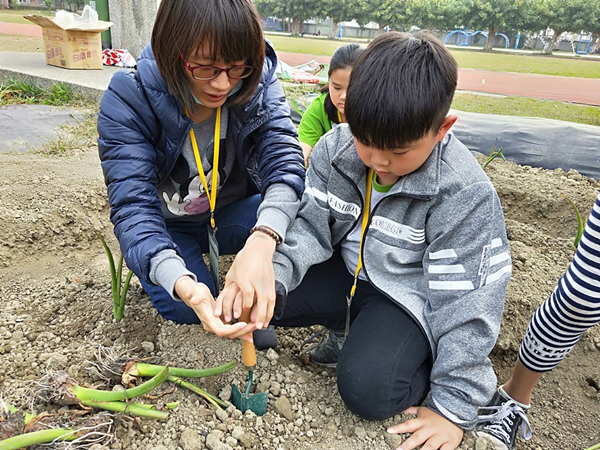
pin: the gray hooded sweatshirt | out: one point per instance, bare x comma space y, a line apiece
435, 244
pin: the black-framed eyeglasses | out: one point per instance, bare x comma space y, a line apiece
205, 73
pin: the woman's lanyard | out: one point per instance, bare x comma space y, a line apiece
212, 196
365, 220
213, 244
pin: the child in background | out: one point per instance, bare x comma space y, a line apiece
328, 108
399, 247
555, 328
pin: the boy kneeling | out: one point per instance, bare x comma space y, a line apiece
399, 220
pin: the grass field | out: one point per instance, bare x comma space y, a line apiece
527, 107
12, 16
544, 65
14, 43
487, 104
471, 59
312, 46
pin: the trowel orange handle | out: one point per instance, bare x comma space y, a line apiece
248, 351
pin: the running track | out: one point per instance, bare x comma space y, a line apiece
566, 89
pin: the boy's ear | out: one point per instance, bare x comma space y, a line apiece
450, 120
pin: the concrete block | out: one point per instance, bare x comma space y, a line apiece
133, 22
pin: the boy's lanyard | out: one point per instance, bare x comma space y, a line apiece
213, 245
365, 220
339, 116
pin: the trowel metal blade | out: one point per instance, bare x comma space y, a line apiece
256, 403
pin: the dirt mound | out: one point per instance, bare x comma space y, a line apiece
56, 312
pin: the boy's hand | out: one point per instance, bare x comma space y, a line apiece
250, 280
429, 429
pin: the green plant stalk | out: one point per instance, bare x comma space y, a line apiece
13, 410
580, 226
120, 307
493, 155
94, 395
119, 292
150, 370
297, 106
217, 402
113, 273
171, 405
594, 447
131, 408
119, 278
38, 437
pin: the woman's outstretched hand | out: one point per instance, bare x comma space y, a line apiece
198, 297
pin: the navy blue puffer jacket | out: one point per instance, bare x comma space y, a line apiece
142, 129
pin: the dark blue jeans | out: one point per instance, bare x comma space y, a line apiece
385, 363
234, 223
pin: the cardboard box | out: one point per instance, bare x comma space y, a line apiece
73, 48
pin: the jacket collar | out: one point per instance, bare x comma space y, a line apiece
423, 182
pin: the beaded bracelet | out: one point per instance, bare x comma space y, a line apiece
268, 232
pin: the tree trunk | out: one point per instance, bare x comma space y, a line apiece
295, 26
490, 39
381, 28
301, 26
548, 47
334, 29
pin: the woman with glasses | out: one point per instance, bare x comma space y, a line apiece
200, 157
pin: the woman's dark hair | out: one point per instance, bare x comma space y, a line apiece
343, 58
230, 30
400, 90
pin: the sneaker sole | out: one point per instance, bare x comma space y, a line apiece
330, 365
497, 444
305, 358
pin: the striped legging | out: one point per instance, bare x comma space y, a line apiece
573, 307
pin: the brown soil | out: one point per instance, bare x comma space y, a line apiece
56, 311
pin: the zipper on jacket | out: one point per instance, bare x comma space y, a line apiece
417, 197
362, 202
257, 123
178, 150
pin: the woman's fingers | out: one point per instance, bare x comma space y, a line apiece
235, 331
227, 298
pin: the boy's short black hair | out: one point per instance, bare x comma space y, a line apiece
230, 29
400, 89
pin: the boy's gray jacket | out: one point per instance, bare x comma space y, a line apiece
436, 245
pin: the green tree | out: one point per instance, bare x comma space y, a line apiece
338, 11
435, 14
494, 16
385, 13
297, 10
568, 15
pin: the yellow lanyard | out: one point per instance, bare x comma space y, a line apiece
365, 220
212, 198
339, 116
